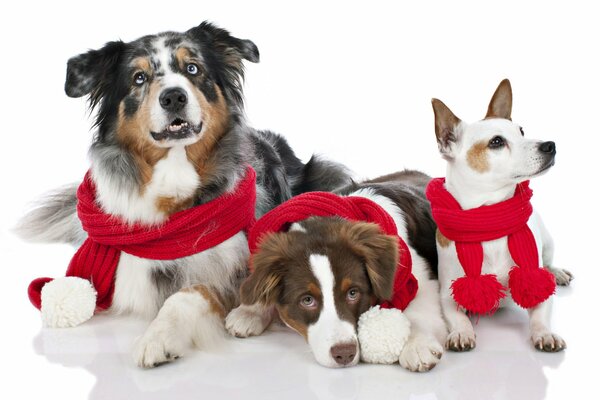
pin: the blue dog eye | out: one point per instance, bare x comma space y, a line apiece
139, 78
192, 69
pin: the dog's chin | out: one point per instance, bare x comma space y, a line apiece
178, 133
541, 171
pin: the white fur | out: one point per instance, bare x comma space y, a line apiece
173, 176
249, 320
185, 320
67, 302
329, 330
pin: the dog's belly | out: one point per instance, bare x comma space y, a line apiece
142, 285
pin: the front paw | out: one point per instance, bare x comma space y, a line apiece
421, 354
562, 276
155, 348
247, 320
460, 341
548, 342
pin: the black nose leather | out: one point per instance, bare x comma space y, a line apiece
548, 147
173, 99
344, 354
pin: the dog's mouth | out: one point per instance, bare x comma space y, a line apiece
178, 129
539, 172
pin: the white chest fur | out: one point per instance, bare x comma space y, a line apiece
173, 176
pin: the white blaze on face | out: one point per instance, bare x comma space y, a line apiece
192, 112
329, 330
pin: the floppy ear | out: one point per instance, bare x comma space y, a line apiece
445, 127
379, 252
86, 72
501, 103
232, 48
264, 284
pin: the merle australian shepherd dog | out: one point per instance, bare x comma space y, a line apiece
171, 135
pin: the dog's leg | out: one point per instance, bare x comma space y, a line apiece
539, 324
192, 316
249, 320
563, 276
424, 348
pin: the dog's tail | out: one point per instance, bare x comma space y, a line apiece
53, 219
319, 174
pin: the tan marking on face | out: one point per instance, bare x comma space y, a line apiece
477, 157
314, 290
442, 240
346, 284
142, 64
215, 119
171, 205
213, 300
133, 133
295, 325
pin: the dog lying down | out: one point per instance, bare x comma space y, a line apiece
330, 267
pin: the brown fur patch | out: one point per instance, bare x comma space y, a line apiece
477, 157
295, 325
442, 240
215, 118
216, 307
171, 205
346, 284
314, 290
501, 104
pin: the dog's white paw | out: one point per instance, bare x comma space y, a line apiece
421, 354
157, 347
461, 341
548, 342
248, 320
563, 277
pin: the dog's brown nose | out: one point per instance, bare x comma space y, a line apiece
344, 353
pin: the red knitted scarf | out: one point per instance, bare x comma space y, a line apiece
185, 233
481, 294
322, 204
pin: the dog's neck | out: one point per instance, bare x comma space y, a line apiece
470, 195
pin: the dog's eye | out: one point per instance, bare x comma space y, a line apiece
522, 131
308, 302
496, 142
352, 295
139, 78
192, 69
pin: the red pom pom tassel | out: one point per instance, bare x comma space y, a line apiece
530, 286
479, 294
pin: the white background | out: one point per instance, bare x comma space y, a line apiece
354, 83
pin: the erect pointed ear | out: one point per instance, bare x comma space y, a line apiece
270, 263
87, 72
379, 252
231, 48
445, 127
501, 103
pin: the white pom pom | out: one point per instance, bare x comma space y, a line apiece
67, 302
382, 333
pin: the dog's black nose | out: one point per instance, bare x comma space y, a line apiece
344, 353
548, 147
173, 99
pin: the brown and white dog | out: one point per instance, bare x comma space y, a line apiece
324, 272
486, 161
171, 135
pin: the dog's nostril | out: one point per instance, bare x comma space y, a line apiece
548, 147
173, 99
344, 353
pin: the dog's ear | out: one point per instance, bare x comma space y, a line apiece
231, 48
87, 72
270, 263
379, 253
445, 127
501, 103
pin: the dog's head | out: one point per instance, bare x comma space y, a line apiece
494, 152
321, 276
164, 89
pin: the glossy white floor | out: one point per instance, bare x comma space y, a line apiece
352, 81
